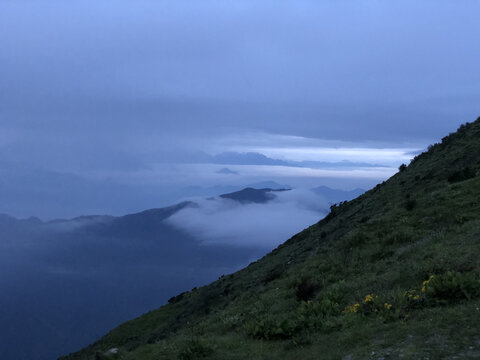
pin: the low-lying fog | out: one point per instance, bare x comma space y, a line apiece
264, 225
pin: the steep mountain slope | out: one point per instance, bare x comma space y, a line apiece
391, 274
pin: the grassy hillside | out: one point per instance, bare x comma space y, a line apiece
394, 273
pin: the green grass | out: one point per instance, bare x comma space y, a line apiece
291, 304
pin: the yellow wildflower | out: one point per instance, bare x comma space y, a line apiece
352, 309
388, 306
368, 298
426, 282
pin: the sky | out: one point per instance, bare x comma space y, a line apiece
117, 106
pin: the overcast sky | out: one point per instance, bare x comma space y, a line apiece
135, 95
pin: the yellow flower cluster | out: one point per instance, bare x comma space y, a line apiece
411, 295
352, 309
368, 298
426, 282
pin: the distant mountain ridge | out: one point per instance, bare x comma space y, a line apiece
253, 193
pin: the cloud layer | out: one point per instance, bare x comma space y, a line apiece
224, 221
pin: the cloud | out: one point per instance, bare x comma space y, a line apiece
220, 61
227, 171
109, 95
223, 221
317, 152
313, 157
248, 158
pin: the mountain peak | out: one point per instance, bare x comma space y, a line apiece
251, 195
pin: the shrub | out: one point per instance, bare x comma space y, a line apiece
332, 213
299, 340
356, 238
401, 236
194, 349
410, 204
364, 219
107, 355
461, 175
273, 274
451, 287
412, 299
271, 328
101, 356
177, 298
312, 315
402, 167
373, 305
305, 289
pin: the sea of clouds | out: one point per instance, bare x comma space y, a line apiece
264, 225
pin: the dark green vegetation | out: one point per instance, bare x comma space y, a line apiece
394, 273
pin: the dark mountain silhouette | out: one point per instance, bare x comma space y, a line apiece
251, 195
